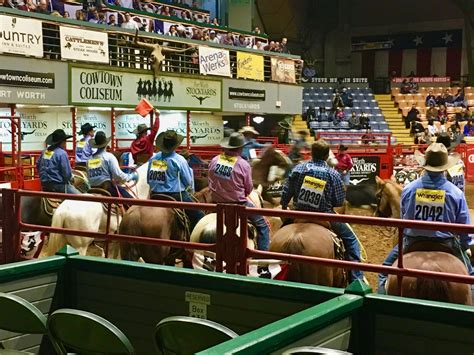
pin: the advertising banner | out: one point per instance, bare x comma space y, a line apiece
103, 87
365, 170
246, 94
26, 79
89, 46
21, 36
283, 70
250, 66
424, 80
309, 77
213, 61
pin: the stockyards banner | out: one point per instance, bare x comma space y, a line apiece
109, 88
365, 170
283, 70
250, 66
21, 36
213, 61
78, 44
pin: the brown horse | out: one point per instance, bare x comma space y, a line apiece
426, 256
308, 239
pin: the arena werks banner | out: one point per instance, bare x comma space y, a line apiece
114, 88
78, 44
283, 70
21, 36
250, 66
213, 61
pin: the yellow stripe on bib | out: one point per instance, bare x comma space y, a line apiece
314, 183
430, 196
48, 154
94, 163
159, 165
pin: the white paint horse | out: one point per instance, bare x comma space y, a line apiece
89, 216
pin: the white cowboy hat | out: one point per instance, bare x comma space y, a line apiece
250, 129
436, 158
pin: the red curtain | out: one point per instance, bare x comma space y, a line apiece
368, 65
423, 62
453, 63
395, 58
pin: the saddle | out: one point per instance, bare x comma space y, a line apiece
180, 215
50, 205
425, 245
115, 208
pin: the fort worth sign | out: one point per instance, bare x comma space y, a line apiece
124, 88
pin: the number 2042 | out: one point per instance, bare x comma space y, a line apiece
429, 213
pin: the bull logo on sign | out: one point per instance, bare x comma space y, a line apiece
23, 134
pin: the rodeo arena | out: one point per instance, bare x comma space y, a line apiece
236, 177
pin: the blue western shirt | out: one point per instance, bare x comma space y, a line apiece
103, 166
250, 144
433, 198
84, 150
54, 167
314, 186
169, 173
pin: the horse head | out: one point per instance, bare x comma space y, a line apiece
388, 198
272, 166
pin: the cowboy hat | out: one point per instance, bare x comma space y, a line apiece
168, 141
86, 128
445, 139
141, 128
436, 158
236, 140
100, 140
286, 123
57, 137
248, 129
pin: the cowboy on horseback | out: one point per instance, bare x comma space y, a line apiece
230, 181
103, 169
83, 148
249, 134
433, 198
314, 186
144, 143
169, 173
53, 165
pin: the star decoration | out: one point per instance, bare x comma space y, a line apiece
447, 38
418, 40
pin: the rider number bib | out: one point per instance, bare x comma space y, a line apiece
81, 144
429, 205
158, 170
311, 192
94, 167
225, 166
48, 154
456, 175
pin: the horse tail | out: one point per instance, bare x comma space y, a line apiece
294, 245
432, 289
130, 225
56, 241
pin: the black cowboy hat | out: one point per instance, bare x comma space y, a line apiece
100, 140
236, 140
57, 137
86, 128
168, 141
141, 128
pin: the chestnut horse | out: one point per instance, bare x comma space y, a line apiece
426, 256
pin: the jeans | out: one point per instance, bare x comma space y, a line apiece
263, 231
193, 215
345, 177
119, 191
452, 243
351, 244
57, 187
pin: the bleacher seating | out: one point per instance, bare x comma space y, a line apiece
364, 102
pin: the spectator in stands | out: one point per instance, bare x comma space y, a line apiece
413, 86
347, 98
128, 23
165, 11
337, 101
186, 15
228, 39
29, 6
43, 7
80, 15
368, 137
364, 121
284, 46
213, 37
241, 42
339, 116
405, 87
432, 112
270, 47
462, 116
94, 16
257, 30
215, 22
455, 134
112, 20
469, 128
172, 31
432, 130
417, 130
448, 98
422, 137
458, 99
442, 113
430, 99
442, 127
322, 115
354, 121
411, 75
411, 116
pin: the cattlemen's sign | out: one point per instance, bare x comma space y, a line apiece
91, 86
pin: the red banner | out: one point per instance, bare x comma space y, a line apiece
428, 79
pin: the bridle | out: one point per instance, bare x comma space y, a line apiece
378, 198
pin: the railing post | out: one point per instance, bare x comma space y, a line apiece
220, 242
10, 227
230, 238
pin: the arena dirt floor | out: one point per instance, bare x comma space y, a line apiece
377, 240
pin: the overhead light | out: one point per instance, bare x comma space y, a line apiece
99, 108
225, 122
258, 119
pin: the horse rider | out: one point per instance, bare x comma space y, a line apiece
83, 149
230, 181
299, 144
447, 203
103, 169
53, 165
456, 173
314, 186
144, 143
249, 134
170, 174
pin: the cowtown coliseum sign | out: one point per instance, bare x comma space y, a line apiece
115, 88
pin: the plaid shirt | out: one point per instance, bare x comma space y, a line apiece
333, 193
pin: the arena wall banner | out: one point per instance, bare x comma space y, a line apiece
21, 36
250, 66
213, 61
283, 70
32, 81
79, 44
423, 80
307, 78
206, 128
96, 86
365, 170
